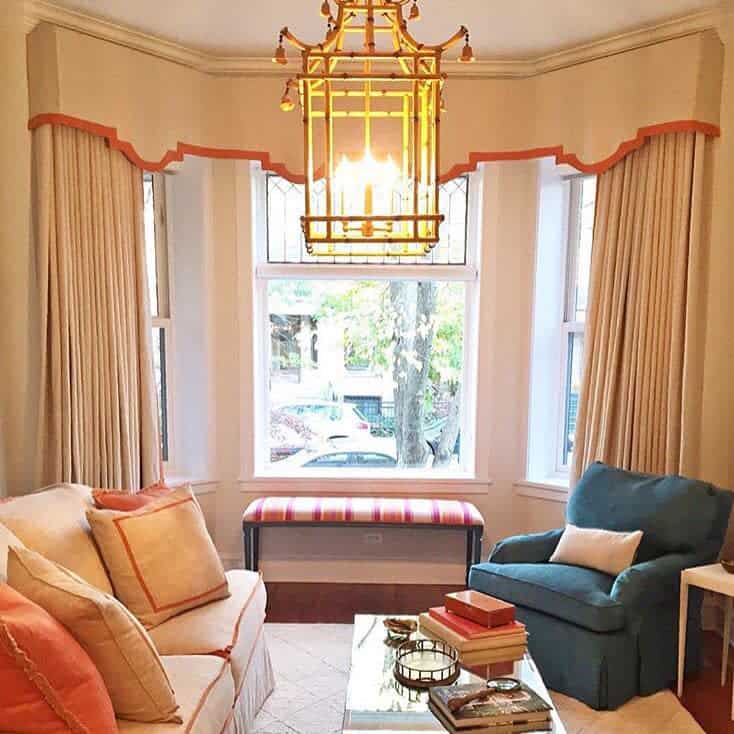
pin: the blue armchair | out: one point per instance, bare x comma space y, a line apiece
598, 638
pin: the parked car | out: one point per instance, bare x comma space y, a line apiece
371, 453
328, 419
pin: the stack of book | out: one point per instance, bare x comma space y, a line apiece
473, 709
481, 628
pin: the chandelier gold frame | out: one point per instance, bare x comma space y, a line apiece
400, 86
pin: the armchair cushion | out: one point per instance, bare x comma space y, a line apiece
534, 548
676, 514
577, 595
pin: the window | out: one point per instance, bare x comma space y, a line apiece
156, 254
562, 271
582, 198
363, 365
285, 241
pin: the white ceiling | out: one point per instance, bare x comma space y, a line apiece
509, 29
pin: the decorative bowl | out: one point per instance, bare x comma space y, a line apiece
728, 566
426, 663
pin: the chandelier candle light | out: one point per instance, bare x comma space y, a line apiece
371, 123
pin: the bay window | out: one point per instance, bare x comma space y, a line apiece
363, 365
562, 273
156, 254
582, 198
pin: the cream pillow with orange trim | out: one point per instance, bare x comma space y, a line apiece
160, 558
115, 641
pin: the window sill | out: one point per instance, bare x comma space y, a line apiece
341, 482
199, 485
552, 489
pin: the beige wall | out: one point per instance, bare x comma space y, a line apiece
16, 435
717, 450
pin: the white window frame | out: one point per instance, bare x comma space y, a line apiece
569, 325
263, 272
164, 318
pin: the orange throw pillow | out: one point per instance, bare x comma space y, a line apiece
112, 499
48, 684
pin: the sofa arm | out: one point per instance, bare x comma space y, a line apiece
657, 582
535, 548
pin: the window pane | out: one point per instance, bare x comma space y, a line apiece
365, 373
574, 367
150, 243
285, 243
583, 252
159, 368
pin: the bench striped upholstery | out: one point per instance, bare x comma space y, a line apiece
369, 510
364, 511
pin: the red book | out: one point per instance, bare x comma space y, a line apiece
492, 670
480, 608
471, 630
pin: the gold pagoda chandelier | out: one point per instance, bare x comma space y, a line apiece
371, 127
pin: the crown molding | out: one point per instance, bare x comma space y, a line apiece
44, 11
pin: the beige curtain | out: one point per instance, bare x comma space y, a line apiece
98, 422
639, 404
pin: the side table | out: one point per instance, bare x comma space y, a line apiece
711, 578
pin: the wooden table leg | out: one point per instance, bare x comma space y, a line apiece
727, 638
682, 622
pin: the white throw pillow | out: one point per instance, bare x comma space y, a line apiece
603, 550
7, 540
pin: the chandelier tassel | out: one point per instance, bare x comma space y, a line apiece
467, 53
286, 102
280, 57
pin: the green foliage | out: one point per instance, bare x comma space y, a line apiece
363, 309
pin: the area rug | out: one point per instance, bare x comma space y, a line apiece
311, 663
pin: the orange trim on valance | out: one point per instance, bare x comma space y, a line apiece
572, 159
171, 156
475, 158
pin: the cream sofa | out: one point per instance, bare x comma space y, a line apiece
216, 656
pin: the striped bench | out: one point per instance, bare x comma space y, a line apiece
362, 511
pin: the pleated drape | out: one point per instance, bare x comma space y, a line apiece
638, 400
98, 422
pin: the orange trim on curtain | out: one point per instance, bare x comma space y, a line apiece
475, 158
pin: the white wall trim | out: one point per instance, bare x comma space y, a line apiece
364, 486
199, 486
38, 11
550, 491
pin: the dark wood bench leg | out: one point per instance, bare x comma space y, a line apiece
477, 553
473, 548
251, 535
247, 536
255, 549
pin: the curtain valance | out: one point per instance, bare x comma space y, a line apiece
589, 115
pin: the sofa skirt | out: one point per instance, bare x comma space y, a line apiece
257, 684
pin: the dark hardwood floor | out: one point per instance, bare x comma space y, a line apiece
294, 602
703, 695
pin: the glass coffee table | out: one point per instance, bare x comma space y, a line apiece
376, 702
